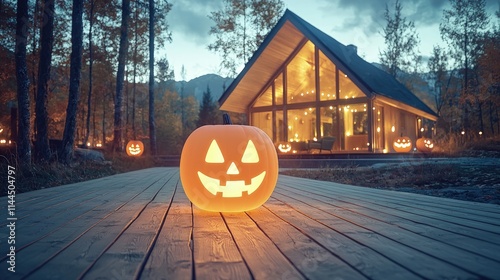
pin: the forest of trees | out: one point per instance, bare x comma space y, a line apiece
463, 77
85, 72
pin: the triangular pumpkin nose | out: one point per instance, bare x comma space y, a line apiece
232, 170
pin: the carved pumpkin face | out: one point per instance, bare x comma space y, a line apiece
284, 147
402, 144
228, 168
134, 148
425, 145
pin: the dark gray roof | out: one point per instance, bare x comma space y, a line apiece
372, 80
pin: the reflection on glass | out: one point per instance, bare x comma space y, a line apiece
301, 125
355, 124
278, 89
301, 83
266, 99
326, 78
347, 89
263, 120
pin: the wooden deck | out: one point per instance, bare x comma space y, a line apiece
140, 225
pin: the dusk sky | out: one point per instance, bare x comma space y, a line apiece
358, 22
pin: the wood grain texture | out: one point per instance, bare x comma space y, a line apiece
141, 225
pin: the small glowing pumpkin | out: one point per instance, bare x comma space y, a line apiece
228, 168
134, 148
284, 147
402, 144
425, 145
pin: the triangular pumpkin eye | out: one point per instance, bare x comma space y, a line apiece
250, 155
214, 154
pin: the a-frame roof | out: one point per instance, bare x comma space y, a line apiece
290, 32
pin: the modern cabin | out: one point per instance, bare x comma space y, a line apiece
302, 86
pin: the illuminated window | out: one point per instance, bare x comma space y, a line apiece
347, 89
328, 88
266, 99
301, 84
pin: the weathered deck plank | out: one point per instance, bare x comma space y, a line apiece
140, 225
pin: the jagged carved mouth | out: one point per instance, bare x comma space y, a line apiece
232, 188
134, 151
402, 145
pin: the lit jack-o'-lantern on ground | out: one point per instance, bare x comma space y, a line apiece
284, 147
402, 144
134, 148
425, 145
228, 168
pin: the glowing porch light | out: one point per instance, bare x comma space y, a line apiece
393, 128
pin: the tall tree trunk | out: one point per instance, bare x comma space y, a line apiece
104, 120
74, 81
23, 98
42, 150
122, 59
152, 128
134, 86
91, 62
490, 111
34, 54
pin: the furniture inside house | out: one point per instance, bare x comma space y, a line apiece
325, 143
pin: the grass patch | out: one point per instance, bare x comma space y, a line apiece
391, 177
41, 176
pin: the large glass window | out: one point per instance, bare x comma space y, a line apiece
301, 82
266, 99
355, 123
329, 124
263, 120
280, 127
296, 117
347, 89
327, 82
302, 125
378, 126
278, 89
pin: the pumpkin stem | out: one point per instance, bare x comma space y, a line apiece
226, 119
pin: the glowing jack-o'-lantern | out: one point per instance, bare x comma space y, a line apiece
402, 144
228, 168
425, 145
134, 148
284, 147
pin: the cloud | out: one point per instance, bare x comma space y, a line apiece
370, 14
190, 18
